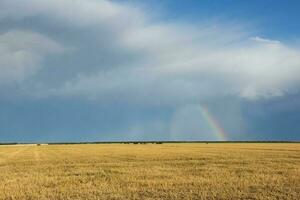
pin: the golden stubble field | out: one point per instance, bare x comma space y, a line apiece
150, 171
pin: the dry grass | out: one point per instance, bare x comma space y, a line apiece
166, 171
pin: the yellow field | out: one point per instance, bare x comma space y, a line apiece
150, 171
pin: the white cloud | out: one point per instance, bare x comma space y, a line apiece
174, 62
264, 40
21, 53
80, 13
185, 73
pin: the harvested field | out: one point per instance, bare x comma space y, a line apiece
151, 171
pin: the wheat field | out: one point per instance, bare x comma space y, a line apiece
150, 171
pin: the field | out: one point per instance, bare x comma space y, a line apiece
151, 171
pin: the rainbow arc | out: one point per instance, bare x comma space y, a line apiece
213, 123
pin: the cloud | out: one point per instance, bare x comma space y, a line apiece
265, 41
253, 70
21, 53
77, 13
123, 52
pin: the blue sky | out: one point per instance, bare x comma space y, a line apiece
98, 70
272, 19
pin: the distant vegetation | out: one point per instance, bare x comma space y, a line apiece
151, 142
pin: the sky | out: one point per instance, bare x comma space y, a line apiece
118, 70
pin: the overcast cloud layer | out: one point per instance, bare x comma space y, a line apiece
108, 53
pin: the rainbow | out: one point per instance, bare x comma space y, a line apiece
213, 123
